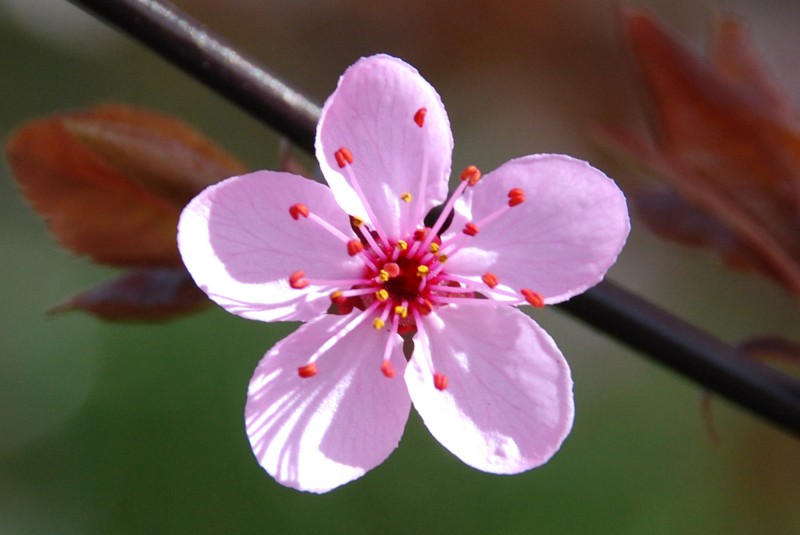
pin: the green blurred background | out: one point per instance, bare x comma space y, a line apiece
108, 428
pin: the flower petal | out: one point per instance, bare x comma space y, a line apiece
508, 403
560, 241
240, 245
317, 433
371, 113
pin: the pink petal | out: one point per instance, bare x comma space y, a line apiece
371, 113
240, 245
508, 404
317, 433
560, 241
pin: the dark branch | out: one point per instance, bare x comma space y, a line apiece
688, 350
184, 42
697, 355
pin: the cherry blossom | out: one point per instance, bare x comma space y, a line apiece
358, 264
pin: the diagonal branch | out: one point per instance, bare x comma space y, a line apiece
672, 342
172, 35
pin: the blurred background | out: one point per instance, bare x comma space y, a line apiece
111, 428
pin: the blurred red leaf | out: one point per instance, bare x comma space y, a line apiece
160, 154
147, 294
724, 138
774, 350
108, 181
111, 183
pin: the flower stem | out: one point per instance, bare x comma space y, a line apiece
643, 326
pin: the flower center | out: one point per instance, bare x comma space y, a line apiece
403, 281
405, 285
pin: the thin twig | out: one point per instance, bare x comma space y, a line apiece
684, 348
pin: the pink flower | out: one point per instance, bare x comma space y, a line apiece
330, 401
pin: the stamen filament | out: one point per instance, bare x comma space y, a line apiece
344, 331
378, 250
448, 207
335, 283
348, 170
439, 380
353, 292
451, 289
494, 215
423, 187
455, 299
386, 364
327, 226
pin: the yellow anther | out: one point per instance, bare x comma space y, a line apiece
401, 311
406, 197
434, 247
423, 270
402, 244
383, 275
378, 323
442, 258
382, 295
356, 221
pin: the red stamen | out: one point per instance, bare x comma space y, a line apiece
533, 298
297, 280
343, 156
419, 117
490, 279
337, 297
387, 369
354, 247
470, 229
471, 174
425, 307
516, 196
309, 370
297, 210
439, 381
420, 234
392, 269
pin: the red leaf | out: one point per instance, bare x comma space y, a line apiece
149, 294
723, 140
774, 350
161, 154
111, 181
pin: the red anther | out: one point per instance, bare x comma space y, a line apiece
309, 370
392, 269
490, 279
297, 280
354, 247
470, 229
343, 156
420, 234
533, 298
387, 369
425, 307
440, 381
419, 117
516, 196
297, 210
471, 174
